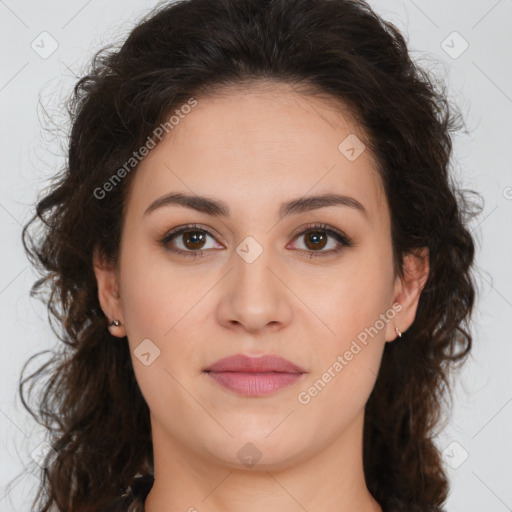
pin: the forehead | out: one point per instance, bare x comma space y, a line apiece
264, 144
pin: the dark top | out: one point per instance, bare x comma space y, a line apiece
141, 486
133, 498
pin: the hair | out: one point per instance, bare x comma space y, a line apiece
341, 50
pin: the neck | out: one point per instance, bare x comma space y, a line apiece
329, 479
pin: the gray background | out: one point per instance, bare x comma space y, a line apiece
476, 441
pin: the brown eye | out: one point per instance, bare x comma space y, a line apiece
188, 241
315, 238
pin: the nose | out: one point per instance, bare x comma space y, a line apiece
255, 297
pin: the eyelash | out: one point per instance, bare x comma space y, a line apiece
340, 237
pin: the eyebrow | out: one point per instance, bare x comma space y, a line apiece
215, 207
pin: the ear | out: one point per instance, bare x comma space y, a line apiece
108, 291
408, 290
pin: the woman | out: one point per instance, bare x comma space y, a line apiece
260, 265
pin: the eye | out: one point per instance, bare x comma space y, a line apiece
191, 240
316, 238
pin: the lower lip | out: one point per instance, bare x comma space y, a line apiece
253, 383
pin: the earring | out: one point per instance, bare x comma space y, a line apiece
398, 333
115, 323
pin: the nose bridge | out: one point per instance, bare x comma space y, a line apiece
256, 297
253, 281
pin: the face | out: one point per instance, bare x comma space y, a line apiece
267, 271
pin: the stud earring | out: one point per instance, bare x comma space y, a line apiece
398, 333
115, 323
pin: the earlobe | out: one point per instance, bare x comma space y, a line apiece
108, 293
408, 290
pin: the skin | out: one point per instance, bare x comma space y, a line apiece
254, 149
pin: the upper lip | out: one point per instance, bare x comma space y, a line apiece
265, 363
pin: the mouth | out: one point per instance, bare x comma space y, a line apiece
254, 376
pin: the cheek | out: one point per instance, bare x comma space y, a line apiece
348, 362
156, 293
159, 299
156, 304
353, 298
357, 304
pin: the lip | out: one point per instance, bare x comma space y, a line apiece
261, 364
254, 376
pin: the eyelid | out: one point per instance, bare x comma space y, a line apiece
319, 226
189, 227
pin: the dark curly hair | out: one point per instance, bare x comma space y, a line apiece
338, 49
